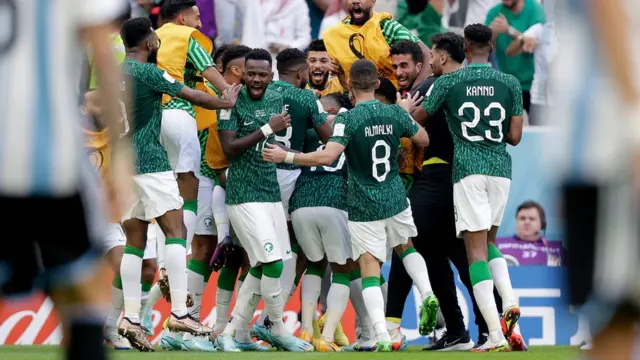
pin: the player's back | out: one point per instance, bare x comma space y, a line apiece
40, 122
478, 102
373, 131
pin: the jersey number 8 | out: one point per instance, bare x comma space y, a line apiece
377, 161
339, 165
476, 119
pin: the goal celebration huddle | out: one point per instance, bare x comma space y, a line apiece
271, 179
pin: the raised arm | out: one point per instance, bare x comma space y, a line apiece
203, 62
202, 99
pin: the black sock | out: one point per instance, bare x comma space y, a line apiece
87, 342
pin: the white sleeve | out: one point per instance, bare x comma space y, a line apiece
534, 31
97, 12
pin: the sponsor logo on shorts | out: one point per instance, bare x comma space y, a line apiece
268, 247
208, 222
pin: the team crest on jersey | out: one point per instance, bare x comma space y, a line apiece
208, 222
225, 114
268, 247
260, 113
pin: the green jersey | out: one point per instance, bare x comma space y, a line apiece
306, 113
478, 104
371, 133
198, 60
205, 170
146, 83
320, 185
250, 178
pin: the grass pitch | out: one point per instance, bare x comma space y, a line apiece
413, 353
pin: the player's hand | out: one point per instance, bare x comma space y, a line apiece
273, 153
409, 103
317, 93
500, 24
529, 44
280, 122
231, 94
119, 181
334, 67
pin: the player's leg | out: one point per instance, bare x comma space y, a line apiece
473, 220
369, 248
399, 229
114, 242
155, 293
221, 218
149, 269
287, 181
367, 340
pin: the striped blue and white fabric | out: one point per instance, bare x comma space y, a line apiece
41, 141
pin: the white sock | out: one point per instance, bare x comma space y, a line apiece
115, 309
160, 242
220, 211
288, 277
310, 294
131, 272
176, 265
144, 300
385, 292
248, 297
337, 300
195, 286
154, 295
417, 270
500, 274
273, 306
357, 299
375, 307
223, 302
190, 219
483, 291
238, 286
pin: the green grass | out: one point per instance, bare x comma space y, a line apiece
414, 353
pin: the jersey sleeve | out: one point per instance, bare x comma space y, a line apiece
436, 95
409, 127
160, 80
393, 32
516, 95
228, 120
341, 130
198, 56
317, 115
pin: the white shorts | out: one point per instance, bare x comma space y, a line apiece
204, 220
262, 231
154, 195
375, 237
179, 136
479, 202
115, 237
287, 181
323, 231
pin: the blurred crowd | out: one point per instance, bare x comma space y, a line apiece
281, 24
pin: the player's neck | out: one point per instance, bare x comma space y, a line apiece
518, 8
137, 56
449, 68
287, 79
478, 60
364, 96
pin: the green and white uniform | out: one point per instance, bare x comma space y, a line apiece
318, 207
478, 102
155, 187
306, 113
253, 195
379, 212
179, 127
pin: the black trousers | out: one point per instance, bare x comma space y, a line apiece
432, 207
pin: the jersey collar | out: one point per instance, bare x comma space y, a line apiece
282, 83
479, 65
368, 102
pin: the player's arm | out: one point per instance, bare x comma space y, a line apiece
319, 118
203, 62
516, 123
393, 32
433, 101
202, 99
324, 157
530, 37
232, 145
413, 130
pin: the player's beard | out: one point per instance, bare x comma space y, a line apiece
153, 57
366, 15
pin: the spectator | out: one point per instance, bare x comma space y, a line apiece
335, 13
508, 21
424, 24
477, 11
208, 18
528, 246
227, 12
317, 9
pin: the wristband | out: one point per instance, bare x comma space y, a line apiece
289, 158
512, 31
266, 130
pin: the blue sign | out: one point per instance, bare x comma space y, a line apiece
542, 294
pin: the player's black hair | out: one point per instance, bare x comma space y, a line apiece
452, 43
317, 45
530, 204
339, 98
387, 89
288, 59
219, 51
234, 52
363, 75
404, 47
478, 36
134, 31
258, 54
172, 8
